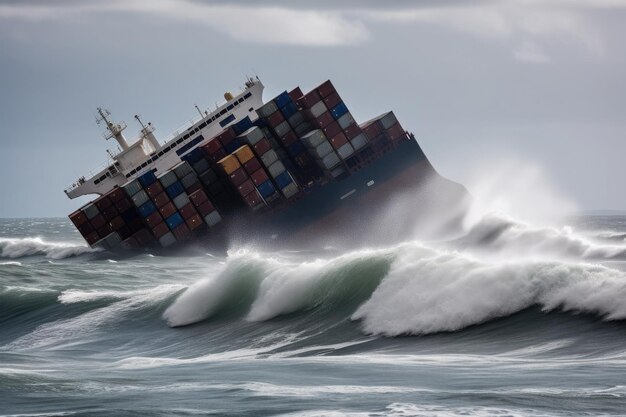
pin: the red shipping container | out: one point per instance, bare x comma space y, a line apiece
206, 208
167, 210
117, 223
309, 99
259, 177
103, 202
372, 130
323, 120
262, 146
238, 176
123, 205
92, 238
218, 155
78, 218
289, 138
194, 187
332, 100
295, 94
124, 232
226, 136
396, 132
212, 147
338, 141
194, 222
110, 213
85, 229
253, 199
154, 189
136, 225
116, 194
246, 187
332, 130
98, 221
275, 118
154, 219
326, 89
144, 237
187, 211
352, 131
161, 199
105, 230
252, 165
181, 232
198, 197
160, 229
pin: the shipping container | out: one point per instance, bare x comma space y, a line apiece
345, 151
276, 169
331, 160
275, 118
116, 194
242, 125
245, 187
181, 200
339, 110
181, 232
199, 166
167, 178
123, 205
267, 109
167, 240
282, 99
252, 135
78, 218
167, 210
110, 212
345, 120
229, 164
182, 169
332, 130
359, 141
189, 180
262, 147
266, 188
296, 120
154, 189
321, 150
317, 109
283, 180
205, 208
208, 177
198, 198
102, 202
323, 120
338, 140
282, 129
213, 218
160, 229
289, 138
244, 154
289, 110
232, 146
259, 177
161, 199
309, 99
253, 200
146, 209
132, 187
252, 165
98, 221
194, 222
140, 198
388, 120
269, 157
295, 94
152, 220
238, 177
326, 89
174, 221
290, 190
147, 178
187, 211
175, 189
226, 136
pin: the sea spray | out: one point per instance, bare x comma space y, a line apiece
21, 247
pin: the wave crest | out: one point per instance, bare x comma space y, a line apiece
21, 247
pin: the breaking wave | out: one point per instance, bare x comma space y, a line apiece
413, 288
21, 247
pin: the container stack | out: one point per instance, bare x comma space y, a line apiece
322, 150
111, 221
384, 132
267, 159
283, 119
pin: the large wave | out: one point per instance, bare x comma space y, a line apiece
21, 247
413, 288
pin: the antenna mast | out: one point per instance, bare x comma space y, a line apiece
114, 130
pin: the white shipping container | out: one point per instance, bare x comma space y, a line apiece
181, 200
276, 169
132, 187
269, 157
212, 218
167, 179
302, 128
90, 211
182, 169
282, 129
252, 135
330, 161
318, 109
345, 151
388, 120
296, 119
290, 190
359, 141
337, 172
314, 138
200, 166
345, 120
167, 239
139, 198
267, 109
189, 179
322, 150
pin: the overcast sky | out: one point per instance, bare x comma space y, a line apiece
541, 81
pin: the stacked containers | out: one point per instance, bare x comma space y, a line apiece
322, 150
239, 177
326, 111
268, 158
384, 132
110, 221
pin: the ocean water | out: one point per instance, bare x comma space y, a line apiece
506, 319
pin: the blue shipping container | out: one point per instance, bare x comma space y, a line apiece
266, 189
289, 110
296, 148
282, 99
147, 178
174, 221
233, 146
339, 110
194, 156
242, 125
283, 180
147, 209
174, 189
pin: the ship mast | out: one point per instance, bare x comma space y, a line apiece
114, 130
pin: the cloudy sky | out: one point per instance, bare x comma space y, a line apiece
539, 82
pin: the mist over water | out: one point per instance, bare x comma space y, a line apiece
519, 311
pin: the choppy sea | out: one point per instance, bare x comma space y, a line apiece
508, 319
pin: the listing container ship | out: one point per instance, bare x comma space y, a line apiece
296, 167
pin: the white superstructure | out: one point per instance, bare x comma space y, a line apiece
146, 153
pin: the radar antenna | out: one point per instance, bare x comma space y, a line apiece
114, 130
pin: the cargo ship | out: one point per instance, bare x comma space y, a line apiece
293, 169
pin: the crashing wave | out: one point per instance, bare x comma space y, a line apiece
20, 247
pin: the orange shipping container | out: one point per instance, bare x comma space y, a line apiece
244, 154
229, 164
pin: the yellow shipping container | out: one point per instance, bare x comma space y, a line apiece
229, 164
244, 154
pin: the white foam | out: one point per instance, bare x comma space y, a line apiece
11, 263
20, 247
